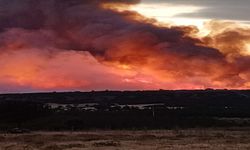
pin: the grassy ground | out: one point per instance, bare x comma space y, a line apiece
190, 139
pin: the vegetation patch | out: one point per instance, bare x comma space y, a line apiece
106, 143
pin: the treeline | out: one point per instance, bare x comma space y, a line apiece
171, 98
40, 116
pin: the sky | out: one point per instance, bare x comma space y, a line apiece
210, 9
195, 12
83, 45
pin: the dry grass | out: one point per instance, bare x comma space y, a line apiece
191, 139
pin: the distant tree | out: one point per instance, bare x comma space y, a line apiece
18, 112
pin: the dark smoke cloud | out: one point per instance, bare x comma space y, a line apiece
83, 25
165, 54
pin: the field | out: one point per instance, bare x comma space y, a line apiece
214, 139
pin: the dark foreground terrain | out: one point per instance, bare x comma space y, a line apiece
76, 111
191, 139
113, 120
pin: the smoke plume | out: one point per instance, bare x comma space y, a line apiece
85, 44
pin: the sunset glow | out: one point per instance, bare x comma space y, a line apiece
167, 13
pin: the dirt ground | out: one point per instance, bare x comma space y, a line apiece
190, 139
